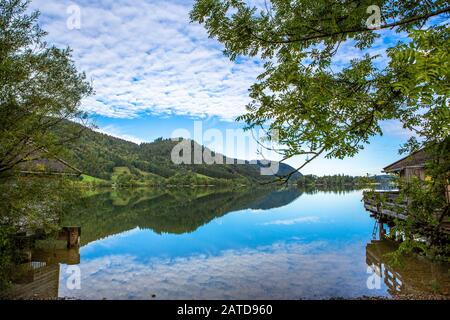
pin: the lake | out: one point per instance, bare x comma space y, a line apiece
228, 244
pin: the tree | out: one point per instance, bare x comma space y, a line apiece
124, 180
316, 108
40, 88
29, 205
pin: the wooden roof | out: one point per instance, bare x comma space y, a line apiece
43, 163
416, 159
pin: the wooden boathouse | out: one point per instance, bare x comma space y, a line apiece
385, 204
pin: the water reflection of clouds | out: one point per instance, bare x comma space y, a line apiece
288, 222
256, 211
110, 241
280, 271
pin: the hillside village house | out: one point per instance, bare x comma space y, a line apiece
42, 163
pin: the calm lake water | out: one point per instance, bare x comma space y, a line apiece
242, 244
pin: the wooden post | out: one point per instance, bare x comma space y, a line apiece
381, 230
447, 193
72, 235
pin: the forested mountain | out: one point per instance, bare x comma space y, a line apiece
106, 157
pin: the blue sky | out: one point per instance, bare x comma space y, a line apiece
155, 72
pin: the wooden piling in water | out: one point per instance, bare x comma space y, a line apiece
71, 235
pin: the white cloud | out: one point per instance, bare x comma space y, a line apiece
114, 131
148, 58
144, 57
395, 128
288, 222
279, 271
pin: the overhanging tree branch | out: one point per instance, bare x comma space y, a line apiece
355, 30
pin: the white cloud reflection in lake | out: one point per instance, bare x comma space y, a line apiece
279, 271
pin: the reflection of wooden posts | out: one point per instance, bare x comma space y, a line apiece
65, 256
39, 277
447, 193
381, 230
38, 280
71, 235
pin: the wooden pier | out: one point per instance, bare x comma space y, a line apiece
67, 237
38, 275
387, 206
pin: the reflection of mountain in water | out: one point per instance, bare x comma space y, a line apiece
413, 276
276, 199
174, 212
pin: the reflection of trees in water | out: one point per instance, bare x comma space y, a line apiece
414, 275
276, 199
29, 206
173, 211
340, 190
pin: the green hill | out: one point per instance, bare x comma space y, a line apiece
109, 158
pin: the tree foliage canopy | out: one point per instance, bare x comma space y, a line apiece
317, 108
320, 109
39, 87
